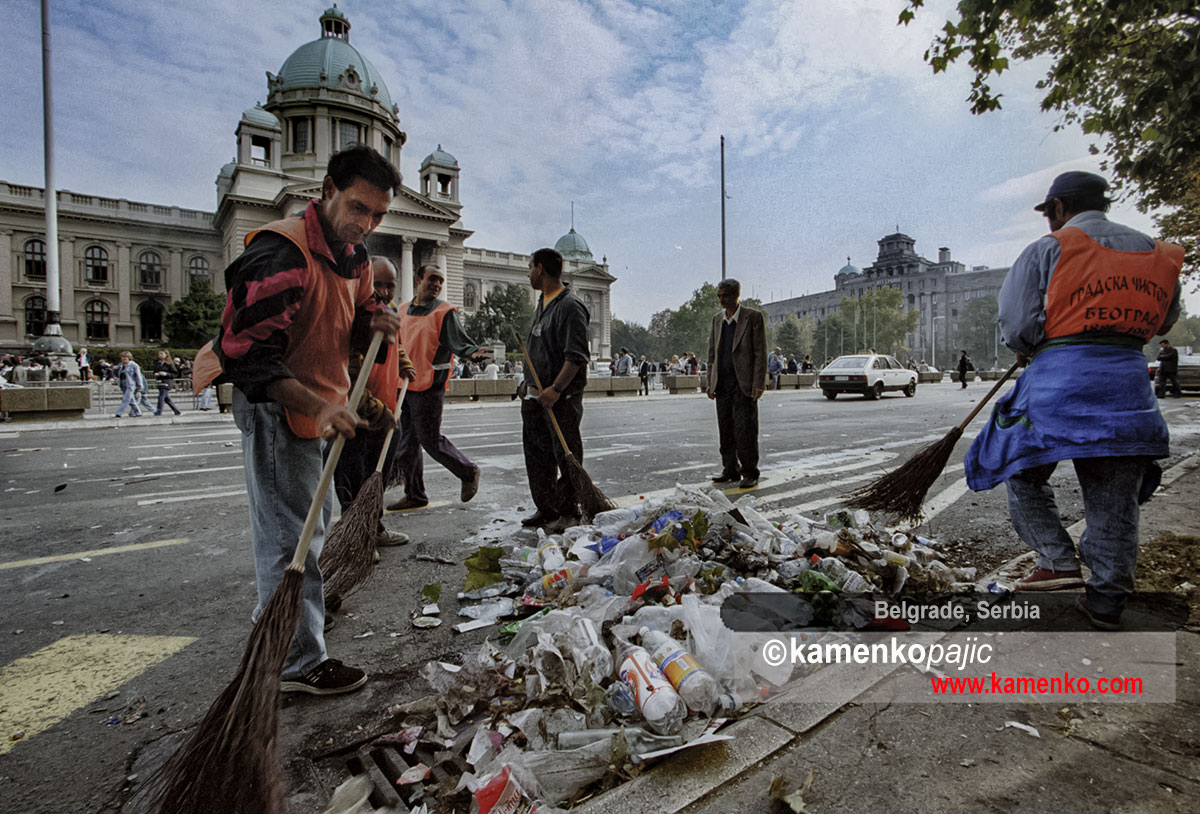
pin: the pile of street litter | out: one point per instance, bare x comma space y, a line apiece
612, 648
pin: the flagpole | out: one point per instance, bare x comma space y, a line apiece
722, 206
52, 340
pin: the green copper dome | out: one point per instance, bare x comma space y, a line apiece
332, 62
441, 158
572, 246
256, 115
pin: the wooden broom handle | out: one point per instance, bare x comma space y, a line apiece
335, 452
387, 440
988, 397
529, 363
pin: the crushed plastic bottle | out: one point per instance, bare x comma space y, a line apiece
550, 553
587, 650
549, 586
698, 689
661, 706
640, 741
619, 698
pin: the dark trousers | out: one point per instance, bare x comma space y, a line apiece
962, 377
164, 397
1165, 379
549, 485
737, 424
645, 388
359, 458
421, 428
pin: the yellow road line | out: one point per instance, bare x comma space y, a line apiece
39, 690
96, 552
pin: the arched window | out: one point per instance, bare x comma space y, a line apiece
151, 313
198, 272
35, 315
590, 302
150, 269
96, 313
35, 259
470, 301
95, 264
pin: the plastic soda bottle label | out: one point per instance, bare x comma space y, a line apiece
678, 667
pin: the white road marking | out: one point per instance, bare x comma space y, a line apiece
136, 476
940, 502
874, 461
200, 493
184, 444
187, 498
834, 499
208, 434
189, 455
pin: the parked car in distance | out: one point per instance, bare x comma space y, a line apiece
1189, 372
871, 374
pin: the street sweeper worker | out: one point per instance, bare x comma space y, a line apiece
558, 353
299, 302
431, 330
377, 408
1077, 306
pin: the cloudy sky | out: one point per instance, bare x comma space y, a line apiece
836, 132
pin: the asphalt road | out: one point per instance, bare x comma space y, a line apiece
127, 569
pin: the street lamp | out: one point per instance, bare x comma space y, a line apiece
933, 330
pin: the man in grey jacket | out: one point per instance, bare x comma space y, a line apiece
737, 377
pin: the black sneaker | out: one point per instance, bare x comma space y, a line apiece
330, 677
726, 477
748, 482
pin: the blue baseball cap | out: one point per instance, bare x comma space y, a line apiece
1072, 183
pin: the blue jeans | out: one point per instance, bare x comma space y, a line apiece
129, 399
282, 473
1109, 487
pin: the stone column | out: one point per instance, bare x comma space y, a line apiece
124, 284
68, 273
406, 268
6, 274
440, 255
175, 287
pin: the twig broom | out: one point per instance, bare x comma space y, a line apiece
349, 554
902, 491
591, 500
229, 763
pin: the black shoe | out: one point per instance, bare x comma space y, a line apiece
330, 677
725, 477
748, 483
1100, 621
538, 518
330, 620
469, 487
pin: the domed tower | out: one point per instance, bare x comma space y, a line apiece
572, 246
328, 96
845, 274
439, 177
259, 139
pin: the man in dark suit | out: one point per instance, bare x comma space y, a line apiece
737, 377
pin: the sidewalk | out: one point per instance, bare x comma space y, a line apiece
951, 756
107, 421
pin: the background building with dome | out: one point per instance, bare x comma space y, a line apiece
123, 262
937, 290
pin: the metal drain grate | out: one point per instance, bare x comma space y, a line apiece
385, 763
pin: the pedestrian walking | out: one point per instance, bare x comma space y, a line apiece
431, 332
165, 372
737, 376
133, 385
1168, 371
964, 366
1084, 396
644, 371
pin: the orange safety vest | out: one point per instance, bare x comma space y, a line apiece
318, 351
421, 336
1095, 289
384, 378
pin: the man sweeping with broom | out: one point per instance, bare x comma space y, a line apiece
558, 352
1079, 304
300, 302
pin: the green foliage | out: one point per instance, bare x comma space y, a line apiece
978, 334
1124, 71
874, 320
796, 335
431, 592
195, 319
638, 339
483, 568
503, 311
691, 323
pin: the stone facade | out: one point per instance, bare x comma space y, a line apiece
123, 262
937, 290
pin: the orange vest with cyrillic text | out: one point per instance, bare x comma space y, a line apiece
1099, 290
421, 336
318, 352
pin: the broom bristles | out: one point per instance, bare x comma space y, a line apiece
902, 491
229, 762
348, 558
591, 500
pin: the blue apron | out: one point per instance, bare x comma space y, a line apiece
1073, 401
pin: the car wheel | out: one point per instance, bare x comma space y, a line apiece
911, 389
875, 391
829, 394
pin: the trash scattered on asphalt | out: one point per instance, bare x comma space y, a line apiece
793, 799
1023, 727
607, 649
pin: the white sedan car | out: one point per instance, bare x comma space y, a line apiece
871, 374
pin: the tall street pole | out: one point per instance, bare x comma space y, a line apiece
51, 340
723, 207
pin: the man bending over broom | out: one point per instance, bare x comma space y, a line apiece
300, 303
